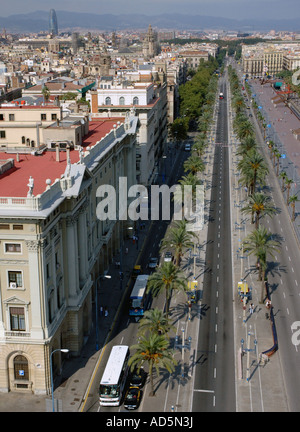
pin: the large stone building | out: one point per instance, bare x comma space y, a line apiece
53, 248
270, 58
149, 102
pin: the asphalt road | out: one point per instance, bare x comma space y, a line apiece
125, 331
215, 374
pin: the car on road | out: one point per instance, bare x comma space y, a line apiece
153, 263
132, 398
137, 378
168, 257
137, 270
187, 147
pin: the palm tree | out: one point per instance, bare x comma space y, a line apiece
193, 164
45, 93
277, 156
155, 351
254, 167
155, 321
292, 200
179, 239
260, 243
199, 147
187, 195
246, 145
259, 206
283, 176
288, 183
165, 279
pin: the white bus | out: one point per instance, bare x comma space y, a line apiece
139, 298
114, 376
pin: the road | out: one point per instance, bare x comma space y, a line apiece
215, 375
125, 331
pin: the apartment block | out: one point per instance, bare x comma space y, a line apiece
53, 247
149, 103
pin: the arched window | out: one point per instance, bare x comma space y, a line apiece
107, 101
23, 140
135, 100
122, 101
21, 370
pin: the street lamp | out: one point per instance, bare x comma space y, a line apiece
65, 350
164, 168
98, 278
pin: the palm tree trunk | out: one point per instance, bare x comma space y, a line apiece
152, 392
263, 286
293, 217
256, 219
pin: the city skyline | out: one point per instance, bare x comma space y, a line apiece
235, 9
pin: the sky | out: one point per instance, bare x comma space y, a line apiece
237, 9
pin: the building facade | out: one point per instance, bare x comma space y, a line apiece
149, 103
53, 247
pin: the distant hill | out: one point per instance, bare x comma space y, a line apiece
38, 21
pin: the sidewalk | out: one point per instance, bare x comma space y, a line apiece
259, 387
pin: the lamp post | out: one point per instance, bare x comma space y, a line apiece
182, 346
98, 278
164, 168
65, 350
248, 350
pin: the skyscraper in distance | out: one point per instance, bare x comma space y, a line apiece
53, 28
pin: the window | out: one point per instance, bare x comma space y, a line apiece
11, 117
43, 117
48, 274
12, 247
53, 116
15, 279
23, 140
1, 117
17, 227
135, 100
2, 134
107, 101
21, 371
17, 319
122, 101
4, 226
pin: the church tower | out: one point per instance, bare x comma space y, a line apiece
150, 44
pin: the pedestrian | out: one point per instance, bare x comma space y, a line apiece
101, 310
251, 309
105, 312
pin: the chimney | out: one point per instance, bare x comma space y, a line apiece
57, 153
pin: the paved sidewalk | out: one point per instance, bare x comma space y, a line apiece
259, 387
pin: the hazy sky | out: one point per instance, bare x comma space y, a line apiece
237, 9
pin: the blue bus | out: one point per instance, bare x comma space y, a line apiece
139, 298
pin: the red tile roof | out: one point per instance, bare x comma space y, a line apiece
13, 183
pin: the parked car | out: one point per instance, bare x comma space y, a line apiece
132, 398
153, 263
137, 378
168, 257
